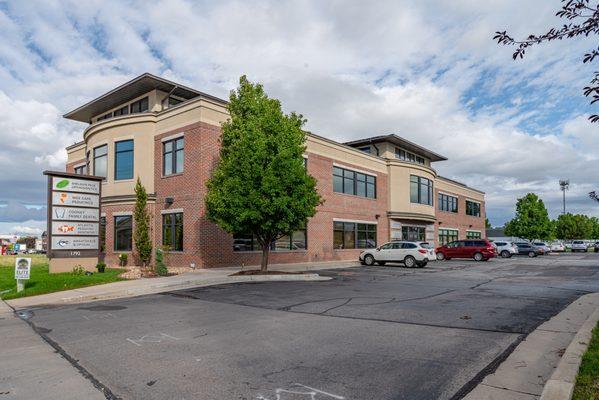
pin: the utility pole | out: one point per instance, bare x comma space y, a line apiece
564, 185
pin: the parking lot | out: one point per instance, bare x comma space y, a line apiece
369, 333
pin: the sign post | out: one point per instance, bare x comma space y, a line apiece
22, 272
73, 220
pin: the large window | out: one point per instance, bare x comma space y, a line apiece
472, 208
473, 235
123, 160
407, 156
172, 231
139, 106
413, 233
421, 190
447, 235
81, 170
173, 156
100, 160
448, 203
297, 240
102, 234
354, 235
123, 226
355, 183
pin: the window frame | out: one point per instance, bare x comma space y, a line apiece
139, 103
473, 208
173, 225
447, 203
346, 175
80, 169
255, 246
96, 157
116, 230
444, 234
173, 152
474, 235
358, 230
419, 183
116, 151
121, 111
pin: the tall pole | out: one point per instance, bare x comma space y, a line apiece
564, 185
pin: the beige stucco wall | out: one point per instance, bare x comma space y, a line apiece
399, 187
327, 148
387, 150
155, 98
76, 153
451, 188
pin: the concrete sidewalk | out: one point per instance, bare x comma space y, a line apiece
198, 278
31, 369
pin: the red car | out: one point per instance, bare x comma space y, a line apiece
478, 249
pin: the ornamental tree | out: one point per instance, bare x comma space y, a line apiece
260, 185
141, 234
570, 226
531, 220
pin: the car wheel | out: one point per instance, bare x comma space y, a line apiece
369, 259
381, 263
478, 257
440, 256
531, 254
505, 254
409, 261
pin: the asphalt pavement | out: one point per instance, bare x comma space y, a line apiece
369, 333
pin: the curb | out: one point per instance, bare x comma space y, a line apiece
162, 287
561, 384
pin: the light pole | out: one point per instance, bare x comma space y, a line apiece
564, 185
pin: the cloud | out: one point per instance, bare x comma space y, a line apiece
26, 230
13, 211
427, 71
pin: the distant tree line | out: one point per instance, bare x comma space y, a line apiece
532, 222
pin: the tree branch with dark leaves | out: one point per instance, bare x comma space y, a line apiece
572, 10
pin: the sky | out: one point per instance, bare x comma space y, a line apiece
428, 71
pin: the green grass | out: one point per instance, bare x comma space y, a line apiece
587, 381
41, 281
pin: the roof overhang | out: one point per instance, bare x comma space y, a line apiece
401, 142
137, 87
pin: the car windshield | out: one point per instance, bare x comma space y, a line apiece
578, 242
426, 245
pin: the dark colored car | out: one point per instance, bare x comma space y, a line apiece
528, 249
596, 247
478, 249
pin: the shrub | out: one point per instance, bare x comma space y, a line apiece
161, 268
78, 270
101, 266
123, 259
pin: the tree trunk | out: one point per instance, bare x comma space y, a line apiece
265, 253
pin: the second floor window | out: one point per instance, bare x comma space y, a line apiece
80, 170
100, 160
140, 106
123, 160
472, 208
448, 203
173, 156
352, 182
421, 190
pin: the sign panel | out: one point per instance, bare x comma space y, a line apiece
395, 224
75, 214
68, 184
22, 268
75, 199
75, 228
74, 243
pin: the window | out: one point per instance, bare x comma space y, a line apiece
448, 203
413, 233
139, 106
121, 111
123, 160
172, 231
407, 156
81, 170
447, 235
421, 190
472, 208
100, 160
105, 116
172, 156
365, 149
419, 160
473, 235
123, 225
400, 154
297, 240
102, 234
352, 235
355, 183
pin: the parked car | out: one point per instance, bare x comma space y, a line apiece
528, 249
596, 247
430, 248
557, 246
506, 249
411, 254
479, 249
542, 245
568, 245
579, 245
539, 250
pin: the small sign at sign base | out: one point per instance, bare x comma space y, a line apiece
22, 272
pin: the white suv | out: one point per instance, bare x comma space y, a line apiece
506, 249
410, 253
579, 245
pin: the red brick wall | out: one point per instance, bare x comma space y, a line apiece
458, 220
71, 166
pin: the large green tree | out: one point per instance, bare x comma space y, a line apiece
141, 234
531, 220
574, 226
260, 186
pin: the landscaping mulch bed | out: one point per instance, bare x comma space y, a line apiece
258, 272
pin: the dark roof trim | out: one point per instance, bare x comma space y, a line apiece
399, 141
132, 89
